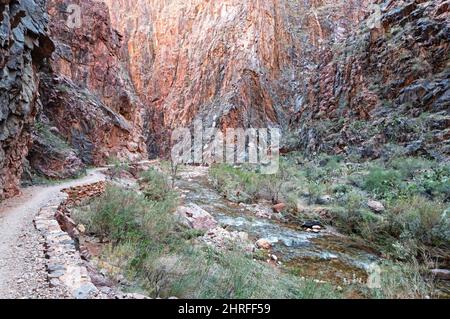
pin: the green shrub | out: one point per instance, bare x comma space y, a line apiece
121, 215
233, 275
383, 183
408, 167
315, 191
117, 167
53, 141
353, 217
420, 220
155, 185
435, 183
237, 184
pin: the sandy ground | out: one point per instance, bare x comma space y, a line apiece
22, 260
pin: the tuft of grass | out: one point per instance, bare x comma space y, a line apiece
52, 140
117, 167
421, 220
353, 217
408, 167
403, 281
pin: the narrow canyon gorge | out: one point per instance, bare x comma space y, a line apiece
92, 90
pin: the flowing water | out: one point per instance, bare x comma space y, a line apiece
324, 256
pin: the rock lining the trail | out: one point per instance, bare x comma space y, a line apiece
65, 266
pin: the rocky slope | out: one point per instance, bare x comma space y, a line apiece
24, 46
385, 90
87, 93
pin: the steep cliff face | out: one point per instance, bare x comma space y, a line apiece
385, 89
232, 63
227, 62
87, 94
24, 46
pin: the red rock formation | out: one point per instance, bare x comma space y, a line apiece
89, 96
233, 63
228, 62
24, 45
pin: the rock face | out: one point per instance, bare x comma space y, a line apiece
87, 93
232, 63
24, 46
385, 89
226, 62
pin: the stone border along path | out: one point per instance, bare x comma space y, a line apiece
64, 263
23, 265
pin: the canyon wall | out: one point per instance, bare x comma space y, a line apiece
226, 62
87, 93
133, 70
385, 89
24, 46
232, 63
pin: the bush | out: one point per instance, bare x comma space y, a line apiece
117, 167
237, 184
408, 167
354, 218
315, 191
155, 185
419, 219
52, 140
383, 183
116, 214
232, 275
436, 183
121, 216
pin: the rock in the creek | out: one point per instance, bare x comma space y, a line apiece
279, 207
195, 217
260, 210
311, 224
375, 206
223, 239
263, 244
443, 274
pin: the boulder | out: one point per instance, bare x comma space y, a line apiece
193, 216
325, 200
263, 244
375, 206
311, 224
279, 207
